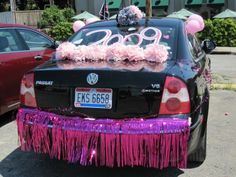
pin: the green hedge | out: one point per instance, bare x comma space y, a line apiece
51, 16
62, 31
221, 31
59, 22
68, 13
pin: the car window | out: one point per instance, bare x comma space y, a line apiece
194, 46
141, 36
34, 40
8, 41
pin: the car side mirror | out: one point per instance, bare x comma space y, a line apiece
208, 45
56, 44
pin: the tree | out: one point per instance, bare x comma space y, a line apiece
31, 4
4, 5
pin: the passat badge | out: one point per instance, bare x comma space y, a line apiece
44, 83
92, 78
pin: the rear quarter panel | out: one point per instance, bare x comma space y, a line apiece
12, 68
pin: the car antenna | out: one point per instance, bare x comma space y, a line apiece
148, 8
148, 11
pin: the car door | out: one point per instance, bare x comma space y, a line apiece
40, 46
32, 49
202, 64
11, 53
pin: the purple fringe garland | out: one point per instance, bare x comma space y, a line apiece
156, 143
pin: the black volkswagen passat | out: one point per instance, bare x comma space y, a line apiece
120, 112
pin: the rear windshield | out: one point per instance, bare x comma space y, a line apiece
141, 36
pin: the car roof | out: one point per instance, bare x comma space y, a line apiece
4, 25
143, 22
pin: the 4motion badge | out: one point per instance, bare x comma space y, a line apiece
155, 88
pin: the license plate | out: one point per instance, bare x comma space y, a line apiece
98, 98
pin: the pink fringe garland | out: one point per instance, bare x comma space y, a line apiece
157, 143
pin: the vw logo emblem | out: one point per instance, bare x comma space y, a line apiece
92, 78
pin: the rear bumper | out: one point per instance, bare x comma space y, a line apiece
155, 142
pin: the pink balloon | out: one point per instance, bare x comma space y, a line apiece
199, 19
78, 25
193, 26
91, 20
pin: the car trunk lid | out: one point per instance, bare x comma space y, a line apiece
136, 88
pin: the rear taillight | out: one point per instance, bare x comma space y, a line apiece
27, 94
175, 98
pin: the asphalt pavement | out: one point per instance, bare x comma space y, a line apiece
224, 66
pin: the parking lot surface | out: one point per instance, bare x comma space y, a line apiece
220, 162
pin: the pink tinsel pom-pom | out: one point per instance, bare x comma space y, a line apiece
80, 53
136, 11
135, 53
83, 52
156, 53
117, 51
100, 52
65, 50
120, 51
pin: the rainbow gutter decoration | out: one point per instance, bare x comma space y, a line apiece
152, 142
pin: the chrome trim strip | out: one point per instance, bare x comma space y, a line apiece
13, 105
23, 51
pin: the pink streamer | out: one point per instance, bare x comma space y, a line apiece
157, 143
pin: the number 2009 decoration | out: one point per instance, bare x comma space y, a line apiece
107, 48
123, 39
